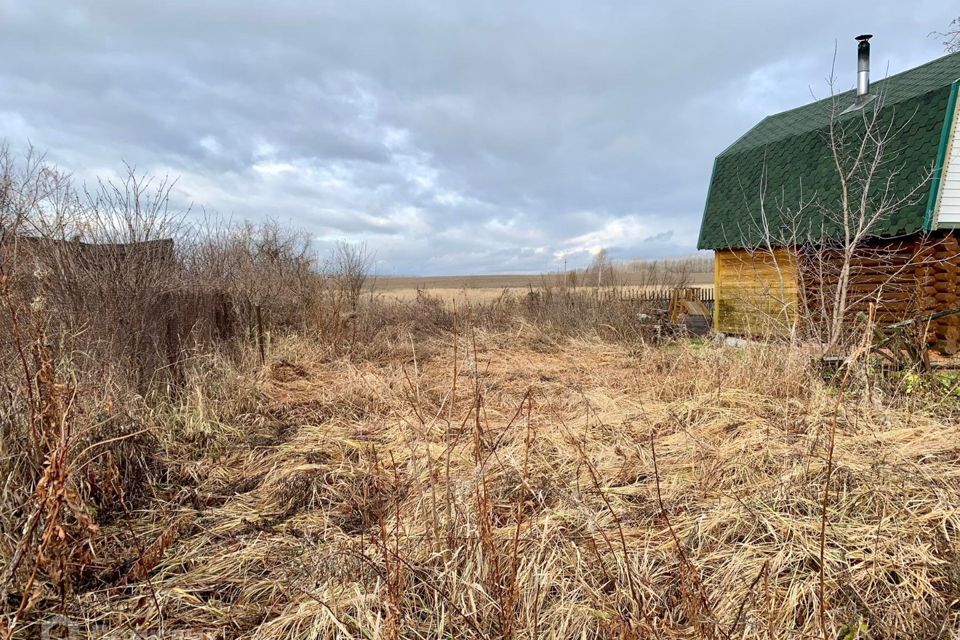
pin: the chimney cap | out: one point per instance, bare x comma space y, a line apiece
864, 37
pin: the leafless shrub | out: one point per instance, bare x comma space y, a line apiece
262, 265
102, 261
350, 269
601, 272
667, 273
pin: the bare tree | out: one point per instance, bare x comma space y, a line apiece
951, 37
667, 273
350, 266
601, 271
829, 270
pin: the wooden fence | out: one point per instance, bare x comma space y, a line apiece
633, 297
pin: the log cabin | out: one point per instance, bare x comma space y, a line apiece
773, 215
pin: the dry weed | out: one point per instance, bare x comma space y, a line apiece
498, 490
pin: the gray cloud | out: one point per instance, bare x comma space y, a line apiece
452, 136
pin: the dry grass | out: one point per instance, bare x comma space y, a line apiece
504, 484
463, 296
630, 275
525, 466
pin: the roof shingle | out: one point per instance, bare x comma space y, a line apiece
786, 160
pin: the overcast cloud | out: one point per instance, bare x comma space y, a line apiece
452, 137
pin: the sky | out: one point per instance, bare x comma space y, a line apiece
503, 136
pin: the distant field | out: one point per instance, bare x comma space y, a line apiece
500, 282
450, 294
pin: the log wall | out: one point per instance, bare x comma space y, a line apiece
884, 275
760, 292
937, 280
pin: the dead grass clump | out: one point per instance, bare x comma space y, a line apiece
774, 372
381, 327
285, 371
340, 479
119, 462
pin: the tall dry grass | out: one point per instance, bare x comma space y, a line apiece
527, 468
503, 482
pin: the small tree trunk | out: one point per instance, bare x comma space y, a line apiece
260, 341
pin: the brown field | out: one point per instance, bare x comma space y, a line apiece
506, 281
526, 474
222, 442
549, 466
485, 289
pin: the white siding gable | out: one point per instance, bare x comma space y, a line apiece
949, 210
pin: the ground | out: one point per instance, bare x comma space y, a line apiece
514, 484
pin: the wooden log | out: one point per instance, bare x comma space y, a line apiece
880, 278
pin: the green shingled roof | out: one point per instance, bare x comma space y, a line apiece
787, 158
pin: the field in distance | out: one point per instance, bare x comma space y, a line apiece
489, 287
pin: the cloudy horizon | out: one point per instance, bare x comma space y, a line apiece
452, 138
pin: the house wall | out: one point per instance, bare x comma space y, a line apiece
949, 201
756, 291
940, 290
883, 275
760, 293
900, 280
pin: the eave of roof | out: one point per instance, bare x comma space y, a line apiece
787, 158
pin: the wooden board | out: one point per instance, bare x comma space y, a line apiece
756, 292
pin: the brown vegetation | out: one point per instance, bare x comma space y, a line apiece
341, 465
638, 274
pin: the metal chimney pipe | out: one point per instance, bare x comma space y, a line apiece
863, 67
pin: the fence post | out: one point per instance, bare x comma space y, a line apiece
263, 355
177, 376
